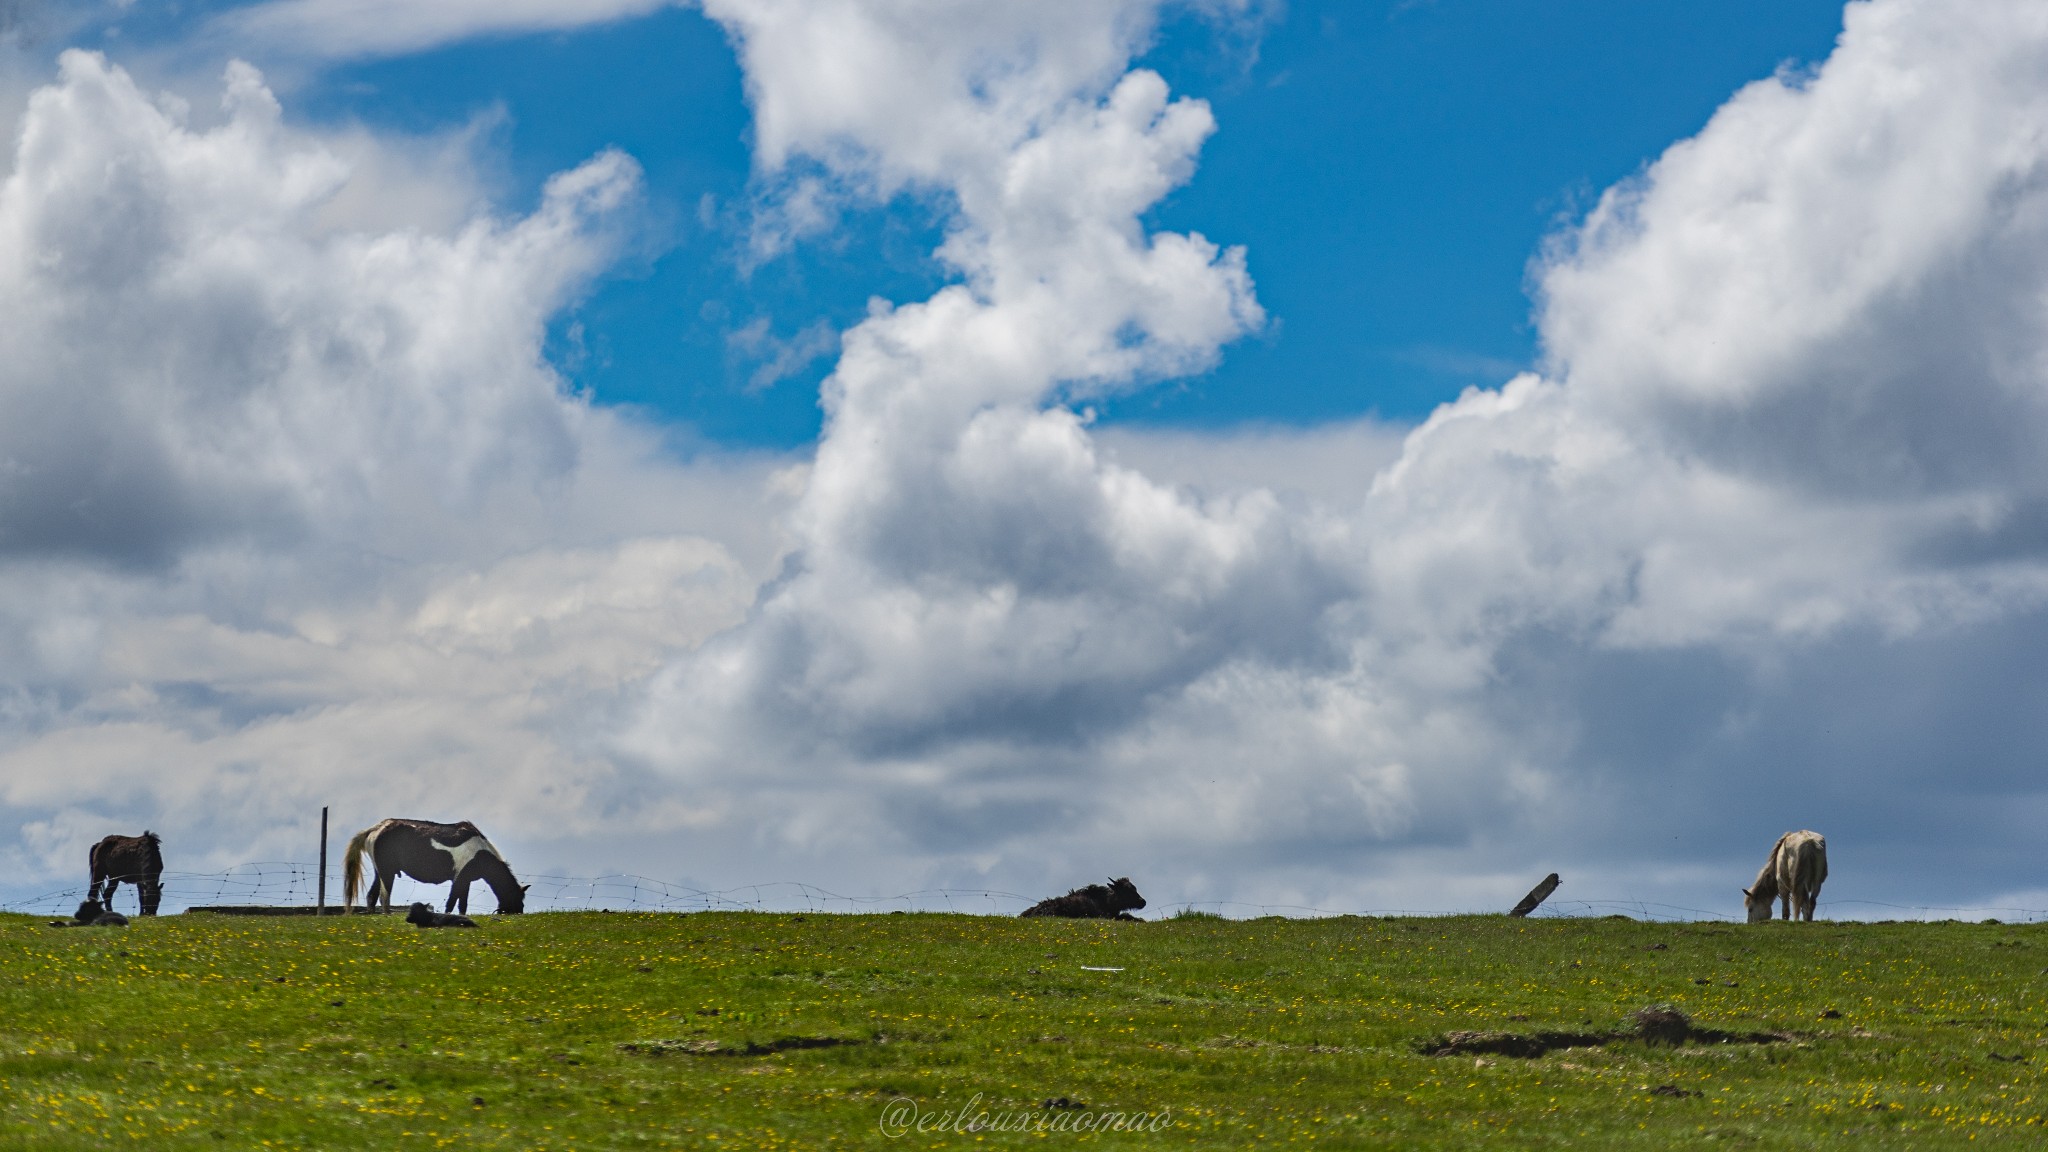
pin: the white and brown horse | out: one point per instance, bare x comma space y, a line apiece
118, 860
432, 854
1792, 876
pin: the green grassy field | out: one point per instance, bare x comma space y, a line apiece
757, 1030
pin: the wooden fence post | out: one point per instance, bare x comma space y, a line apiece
321, 909
1537, 895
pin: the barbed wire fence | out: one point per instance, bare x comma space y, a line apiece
288, 884
278, 884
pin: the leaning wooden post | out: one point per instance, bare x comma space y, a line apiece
1537, 895
321, 908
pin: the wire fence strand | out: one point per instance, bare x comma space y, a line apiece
290, 884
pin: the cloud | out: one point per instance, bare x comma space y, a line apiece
297, 511
1781, 441
779, 359
347, 29
292, 509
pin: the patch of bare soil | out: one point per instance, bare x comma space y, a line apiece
714, 1048
1658, 1024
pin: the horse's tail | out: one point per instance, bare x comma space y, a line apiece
92, 859
352, 866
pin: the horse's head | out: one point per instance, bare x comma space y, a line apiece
1124, 895
1759, 907
88, 911
513, 901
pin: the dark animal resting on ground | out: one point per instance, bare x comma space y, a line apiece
92, 914
1793, 876
432, 854
1095, 902
426, 917
137, 860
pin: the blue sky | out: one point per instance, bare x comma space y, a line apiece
905, 444
1391, 167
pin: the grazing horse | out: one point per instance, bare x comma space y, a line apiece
137, 860
1793, 875
1095, 902
432, 854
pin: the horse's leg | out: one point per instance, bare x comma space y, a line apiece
113, 882
456, 892
152, 896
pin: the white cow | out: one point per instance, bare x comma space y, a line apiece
1793, 875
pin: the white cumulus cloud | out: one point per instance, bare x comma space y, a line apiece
1785, 438
293, 511
293, 508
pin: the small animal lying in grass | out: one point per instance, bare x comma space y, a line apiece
426, 917
92, 914
1095, 902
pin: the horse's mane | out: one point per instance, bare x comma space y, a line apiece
1766, 884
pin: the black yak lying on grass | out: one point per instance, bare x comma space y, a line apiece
1095, 902
92, 914
426, 917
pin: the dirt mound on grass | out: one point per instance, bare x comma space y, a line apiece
1656, 1024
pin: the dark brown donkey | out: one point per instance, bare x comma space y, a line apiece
137, 860
432, 854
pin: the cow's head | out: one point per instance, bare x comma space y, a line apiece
1123, 894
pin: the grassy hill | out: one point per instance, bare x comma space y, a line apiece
757, 1030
